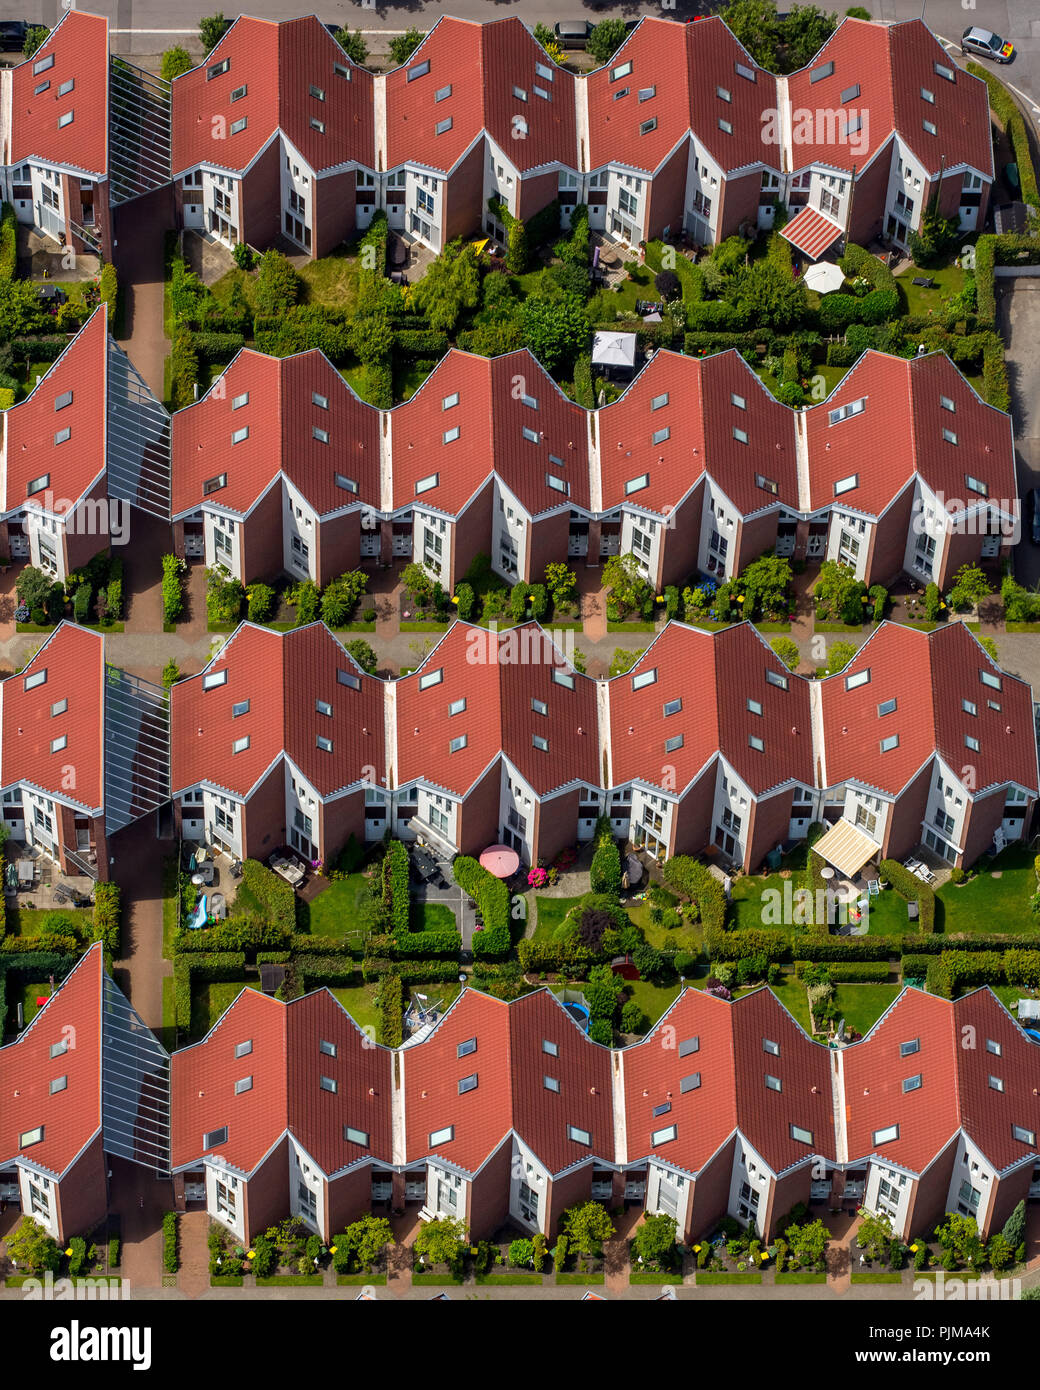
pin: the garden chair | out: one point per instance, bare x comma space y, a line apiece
874, 887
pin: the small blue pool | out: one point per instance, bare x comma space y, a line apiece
1032, 1033
581, 1015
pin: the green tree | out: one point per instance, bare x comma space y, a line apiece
371, 337
787, 650
35, 35
807, 1242
606, 38
32, 1249
755, 25
654, 1240
402, 46
770, 294
960, 1235
442, 1242
555, 330
1000, 1252
1014, 1231
175, 61
587, 1227
363, 654
970, 585
277, 284
450, 286
20, 310
545, 36
561, 581
33, 586
211, 30
765, 583
874, 1235
989, 647
839, 654
171, 673
803, 33
627, 587
353, 44
633, 1019
366, 1239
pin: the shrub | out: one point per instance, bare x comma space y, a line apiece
277, 284
170, 673
171, 1251
492, 898
261, 599
787, 650
173, 568
184, 369
276, 897
108, 290
106, 923
605, 870
81, 602
8, 242
363, 654
391, 1011
520, 1252
465, 600
113, 1252
633, 1019
175, 61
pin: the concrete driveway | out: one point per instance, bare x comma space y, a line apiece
1018, 317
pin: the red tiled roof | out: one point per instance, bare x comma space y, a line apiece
70, 1118
490, 417
685, 67
499, 675
732, 1065
902, 404
31, 427
811, 232
74, 661
277, 63
988, 1116
281, 417
890, 64
701, 416
479, 64
731, 665
281, 675
285, 1065
929, 675
510, 1066
79, 46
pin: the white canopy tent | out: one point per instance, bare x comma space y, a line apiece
614, 350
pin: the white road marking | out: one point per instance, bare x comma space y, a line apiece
1030, 101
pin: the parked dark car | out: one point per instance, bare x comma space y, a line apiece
1034, 512
983, 43
12, 33
572, 33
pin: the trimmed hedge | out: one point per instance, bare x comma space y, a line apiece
913, 889
991, 251
171, 1251
303, 945
752, 941
108, 291
40, 349
391, 1011
584, 392
828, 948
419, 945
396, 902
691, 879
247, 933
217, 347
274, 895
934, 945
29, 965
329, 970
493, 900
953, 970
1007, 110
108, 917
210, 965
8, 242
417, 342
537, 957
410, 972
850, 972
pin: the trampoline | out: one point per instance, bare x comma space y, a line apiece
1032, 1033
581, 1015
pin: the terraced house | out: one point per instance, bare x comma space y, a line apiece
708, 740
509, 1112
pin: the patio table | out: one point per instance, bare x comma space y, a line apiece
26, 871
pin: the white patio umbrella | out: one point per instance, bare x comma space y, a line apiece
823, 277
614, 349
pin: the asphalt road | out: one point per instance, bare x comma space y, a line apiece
150, 25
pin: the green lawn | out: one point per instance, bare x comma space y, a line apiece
605, 305
334, 912
688, 937
551, 912
30, 991
887, 915
29, 921
862, 1005
748, 901
989, 904
360, 1003
949, 281
432, 917
209, 1000
791, 993
332, 280
652, 999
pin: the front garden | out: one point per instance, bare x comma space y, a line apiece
91, 596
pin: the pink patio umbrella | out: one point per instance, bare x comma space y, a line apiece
500, 860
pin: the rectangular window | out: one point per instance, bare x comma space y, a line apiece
35, 485
994, 1047
542, 744
449, 436
60, 402
519, 93
622, 70
818, 74
754, 707
237, 402
774, 678
773, 1083
756, 743
722, 94
60, 1083
240, 436
911, 1083
689, 1045
645, 127
215, 1137
907, 1049
328, 1083
975, 484
239, 93
646, 93
322, 436
846, 484
659, 436
214, 679
996, 1083
217, 69
886, 707
803, 1136
637, 484
347, 484
725, 127
580, 1136
244, 1083
971, 743
549, 1048
355, 1136
690, 1083
30, 1137
43, 64
431, 678
740, 435
773, 1048
673, 744
1024, 1136
885, 1136
66, 119
887, 744
238, 126
663, 1136
645, 678
550, 1083
944, 71
240, 744
243, 1049
467, 1083
430, 481
987, 678
59, 707
766, 484
62, 436
850, 94
57, 744
465, 1049
457, 744
672, 707
442, 127
929, 126
563, 678
419, 70
659, 401
860, 678
557, 484
457, 706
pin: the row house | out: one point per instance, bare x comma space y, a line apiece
54, 136
695, 469
510, 1114
494, 737
84, 751
87, 445
879, 126
273, 136
277, 468
83, 1083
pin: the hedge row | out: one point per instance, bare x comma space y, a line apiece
391, 1011
991, 251
340, 969
493, 901
274, 895
691, 879
303, 945
751, 941
419, 945
107, 917
417, 342
912, 888
410, 972
913, 943
248, 933
396, 902
217, 347
850, 972
171, 1252
48, 942
538, 956
1003, 103
211, 965
950, 972
8, 242
842, 948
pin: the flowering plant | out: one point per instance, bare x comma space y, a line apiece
536, 878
